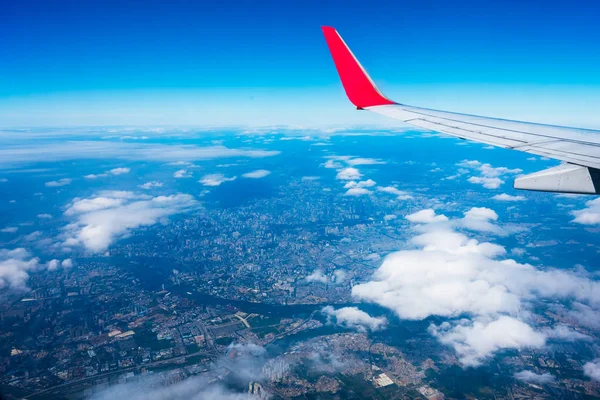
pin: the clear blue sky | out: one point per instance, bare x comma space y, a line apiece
265, 62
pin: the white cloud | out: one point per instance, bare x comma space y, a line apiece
590, 215
9, 229
401, 195
445, 273
95, 176
58, 183
361, 184
349, 174
488, 183
363, 161
476, 340
591, 369
339, 275
259, 173
100, 220
357, 191
150, 185
15, 266
489, 176
508, 197
119, 171
215, 179
67, 263
71, 150
427, 216
532, 377
332, 164
352, 317
44, 216
317, 276
182, 173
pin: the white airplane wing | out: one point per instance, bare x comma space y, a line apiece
579, 149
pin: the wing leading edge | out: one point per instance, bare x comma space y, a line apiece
580, 148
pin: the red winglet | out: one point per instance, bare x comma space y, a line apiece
359, 87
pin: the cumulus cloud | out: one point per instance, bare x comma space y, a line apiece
427, 216
58, 183
44, 216
152, 184
532, 377
488, 183
259, 173
475, 340
15, 266
489, 176
357, 191
508, 197
215, 179
400, 195
182, 173
99, 221
590, 215
317, 276
119, 171
591, 369
349, 174
352, 317
361, 184
446, 273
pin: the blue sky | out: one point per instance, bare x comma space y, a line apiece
261, 63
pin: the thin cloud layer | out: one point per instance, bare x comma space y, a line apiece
73, 150
532, 377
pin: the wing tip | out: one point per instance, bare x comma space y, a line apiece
359, 87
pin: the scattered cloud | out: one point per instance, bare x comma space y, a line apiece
475, 340
182, 173
591, 369
400, 195
357, 191
100, 220
58, 183
215, 179
427, 216
15, 266
9, 229
508, 197
150, 185
363, 161
361, 184
44, 216
590, 215
259, 173
489, 176
317, 276
119, 171
349, 174
352, 317
532, 377
488, 183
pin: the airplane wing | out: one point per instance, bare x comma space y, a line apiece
579, 149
